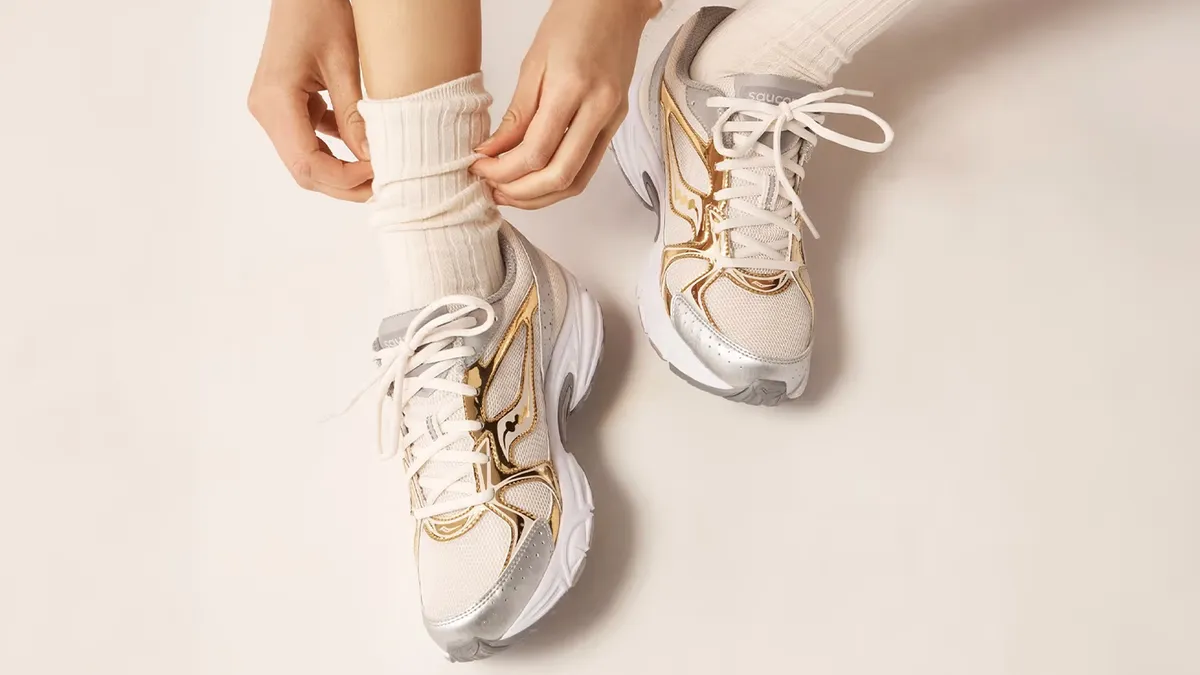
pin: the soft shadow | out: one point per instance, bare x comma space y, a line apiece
901, 67
614, 537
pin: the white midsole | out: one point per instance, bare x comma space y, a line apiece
576, 351
637, 154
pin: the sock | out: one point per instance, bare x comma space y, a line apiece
436, 223
802, 39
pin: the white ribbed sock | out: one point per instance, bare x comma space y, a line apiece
436, 222
802, 39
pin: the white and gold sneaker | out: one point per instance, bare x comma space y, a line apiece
724, 296
477, 390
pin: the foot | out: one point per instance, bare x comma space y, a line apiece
481, 388
725, 296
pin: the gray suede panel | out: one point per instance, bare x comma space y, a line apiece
696, 93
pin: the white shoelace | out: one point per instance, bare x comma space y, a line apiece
427, 346
802, 117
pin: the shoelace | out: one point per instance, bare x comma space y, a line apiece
427, 346
802, 117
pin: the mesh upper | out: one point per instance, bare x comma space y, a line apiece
506, 377
529, 496
773, 327
683, 271
557, 285
455, 574
695, 173
691, 166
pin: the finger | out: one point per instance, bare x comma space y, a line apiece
284, 115
581, 179
520, 112
536, 150
345, 91
568, 159
358, 193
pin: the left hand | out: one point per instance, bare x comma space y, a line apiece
571, 97
310, 47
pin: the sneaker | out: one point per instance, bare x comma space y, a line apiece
724, 296
480, 389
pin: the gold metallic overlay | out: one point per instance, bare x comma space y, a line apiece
700, 209
502, 430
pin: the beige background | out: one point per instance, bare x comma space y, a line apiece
994, 471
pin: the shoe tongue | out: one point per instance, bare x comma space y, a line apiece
393, 328
772, 90
424, 408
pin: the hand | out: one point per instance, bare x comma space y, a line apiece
570, 99
310, 47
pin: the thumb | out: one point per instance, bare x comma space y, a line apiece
516, 120
345, 91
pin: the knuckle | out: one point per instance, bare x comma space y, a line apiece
254, 102
576, 83
339, 60
530, 66
537, 159
301, 172
608, 94
561, 181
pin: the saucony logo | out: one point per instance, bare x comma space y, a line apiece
770, 97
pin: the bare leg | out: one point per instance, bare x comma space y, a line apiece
410, 45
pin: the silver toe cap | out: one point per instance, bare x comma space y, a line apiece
481, 630
742, 371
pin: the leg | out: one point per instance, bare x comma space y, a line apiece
474, 385
426, 113
804, 39
410, 45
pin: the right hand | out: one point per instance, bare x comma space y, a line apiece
310, 47
570, 99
